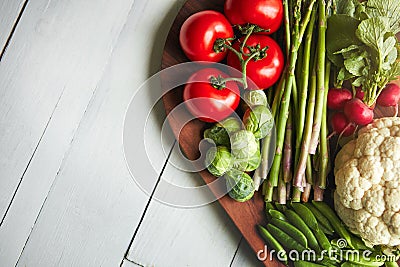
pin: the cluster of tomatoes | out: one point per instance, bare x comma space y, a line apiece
240, 38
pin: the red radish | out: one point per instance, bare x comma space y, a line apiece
341, 125
359, 113
338, 97
390, 96
360, 93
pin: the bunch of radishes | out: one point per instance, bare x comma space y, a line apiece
352, 112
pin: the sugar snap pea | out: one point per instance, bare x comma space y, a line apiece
295, 219
284, 238
358, 243
269, 206
324, 229
391, 264
306, 214
320, 217
322, 240
291, 230
277, 215
280, 207
335, 221
306, 264
273, 243
356, 264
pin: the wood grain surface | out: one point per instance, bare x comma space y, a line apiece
245, 215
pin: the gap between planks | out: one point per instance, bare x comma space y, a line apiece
148, 203
13, 30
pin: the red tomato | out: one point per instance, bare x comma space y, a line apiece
205, 101
199, 32
267, 14
264, 72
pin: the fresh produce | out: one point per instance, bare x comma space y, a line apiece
263, 69
299, 231
218, 160
341, 125
390, 96
243, 144
255, 98
363, 46
199, 33
259, 121
240, 185
267, 14
338, 97
214, 100
220, 132
248, 163
367, 183
358, 112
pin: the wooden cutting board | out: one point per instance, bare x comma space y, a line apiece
245, 215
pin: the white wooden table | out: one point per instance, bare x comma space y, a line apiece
68, 69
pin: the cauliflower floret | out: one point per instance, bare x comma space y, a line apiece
367, 176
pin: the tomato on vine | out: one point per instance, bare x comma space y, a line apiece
210, 95
199, 33
265, 68
267, 14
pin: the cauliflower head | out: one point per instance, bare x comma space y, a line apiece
367, 176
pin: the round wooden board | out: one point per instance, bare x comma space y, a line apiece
246, 215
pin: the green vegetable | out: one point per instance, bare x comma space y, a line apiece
322, 240
240, 185
306, 214
269, 207
273, 243
284, 238
291, 230
335, 221
218, 160
243, 144
277, 215
259, 121
366, 50
247, 164
217, 135
255, 98
230, 124
306, 264
302, 226
320, 217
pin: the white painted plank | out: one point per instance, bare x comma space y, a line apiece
172, 236
9, 11
94, 206
245, 256
127, 263
58, 46
63, 64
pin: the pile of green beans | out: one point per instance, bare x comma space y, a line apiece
313, 226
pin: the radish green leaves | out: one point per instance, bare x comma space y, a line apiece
363, 46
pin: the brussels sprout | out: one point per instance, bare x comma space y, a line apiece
248, 164
231, 124
240, 184
218, 160
243, 144
259, 121
255, 98
218, 135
